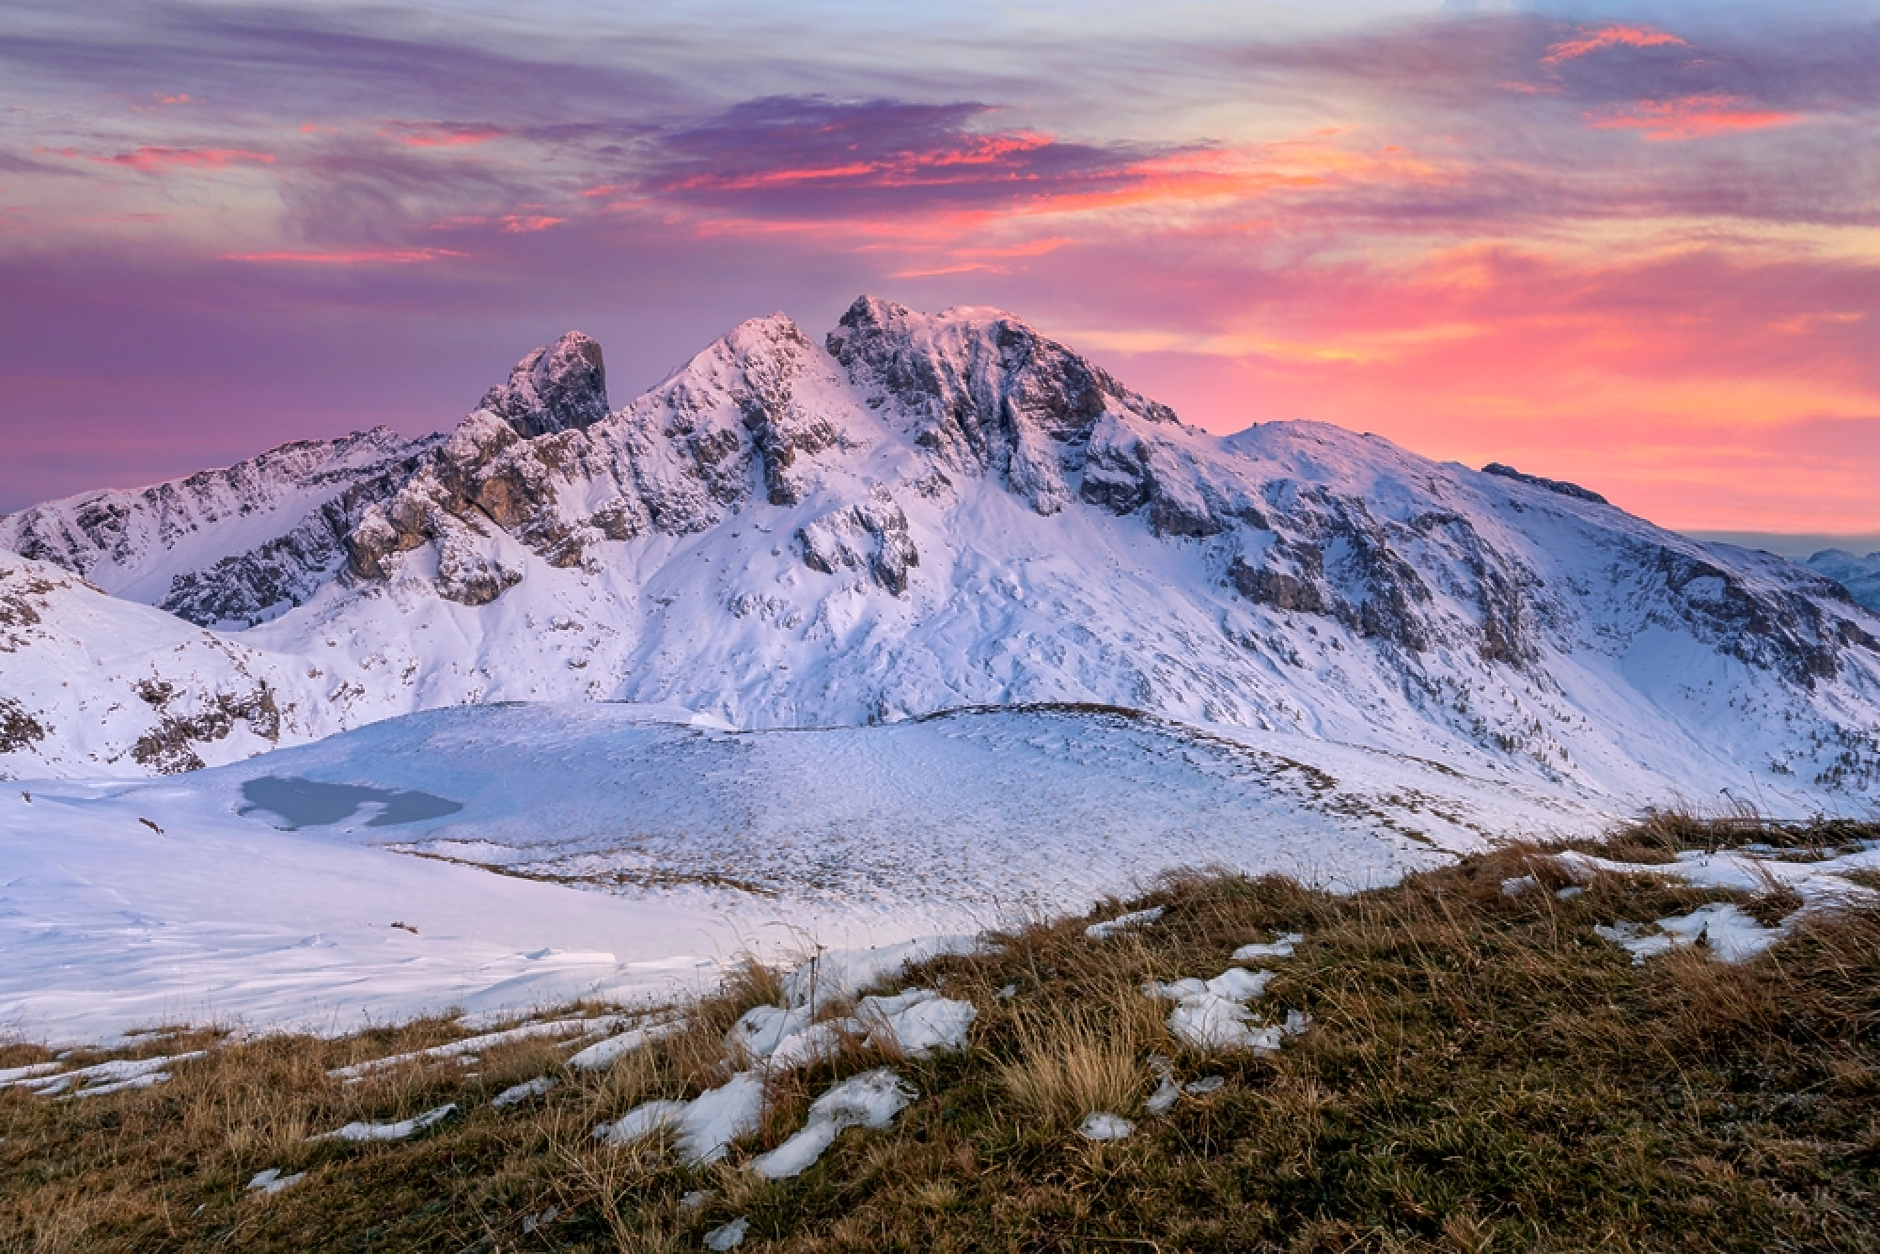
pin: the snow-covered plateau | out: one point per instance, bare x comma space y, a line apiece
923, 628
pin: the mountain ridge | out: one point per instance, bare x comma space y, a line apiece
928, 511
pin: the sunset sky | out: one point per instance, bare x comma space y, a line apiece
1636, 247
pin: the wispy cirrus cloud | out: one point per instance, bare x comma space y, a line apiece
355, 257
441, 134
810, 156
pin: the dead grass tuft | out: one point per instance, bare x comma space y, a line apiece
1069, 1061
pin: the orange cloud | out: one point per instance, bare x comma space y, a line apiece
1610, 37
1692, 117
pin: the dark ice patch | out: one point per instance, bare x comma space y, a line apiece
308, 803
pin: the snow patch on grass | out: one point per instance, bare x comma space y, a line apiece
1122, 923
869, 1100
397, 1131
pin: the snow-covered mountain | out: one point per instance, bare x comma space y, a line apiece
925, 512
1859, 575
228, 547
93, 684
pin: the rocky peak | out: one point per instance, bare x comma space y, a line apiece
558, 387
758, 372
985, 392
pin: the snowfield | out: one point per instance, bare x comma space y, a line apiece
642, 849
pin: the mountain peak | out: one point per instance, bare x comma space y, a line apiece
558, 387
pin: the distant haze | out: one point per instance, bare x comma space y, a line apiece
1789, 545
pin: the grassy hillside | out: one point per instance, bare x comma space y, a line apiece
1481, 1071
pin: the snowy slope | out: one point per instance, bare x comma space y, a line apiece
926, 512
693, 841
108, 925
222, 547
95, 685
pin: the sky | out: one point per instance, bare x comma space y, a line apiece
1636, 247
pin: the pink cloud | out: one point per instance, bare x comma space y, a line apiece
440, 134
1692, 117
355, 257
150, 159
1610, 37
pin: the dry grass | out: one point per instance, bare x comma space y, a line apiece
1482, 1073
1068, 1061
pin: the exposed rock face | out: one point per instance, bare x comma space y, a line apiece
1787, 629
93, 684
18, 729
990, 396
764, 416
560, 387
1276, 588
870, 536
174, 744
730, 425
1552, 485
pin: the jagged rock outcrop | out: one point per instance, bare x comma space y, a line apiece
1787, 629
870, 536
559, 387
733, 423
902, 407
1552, 485
990, 396
92, 684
